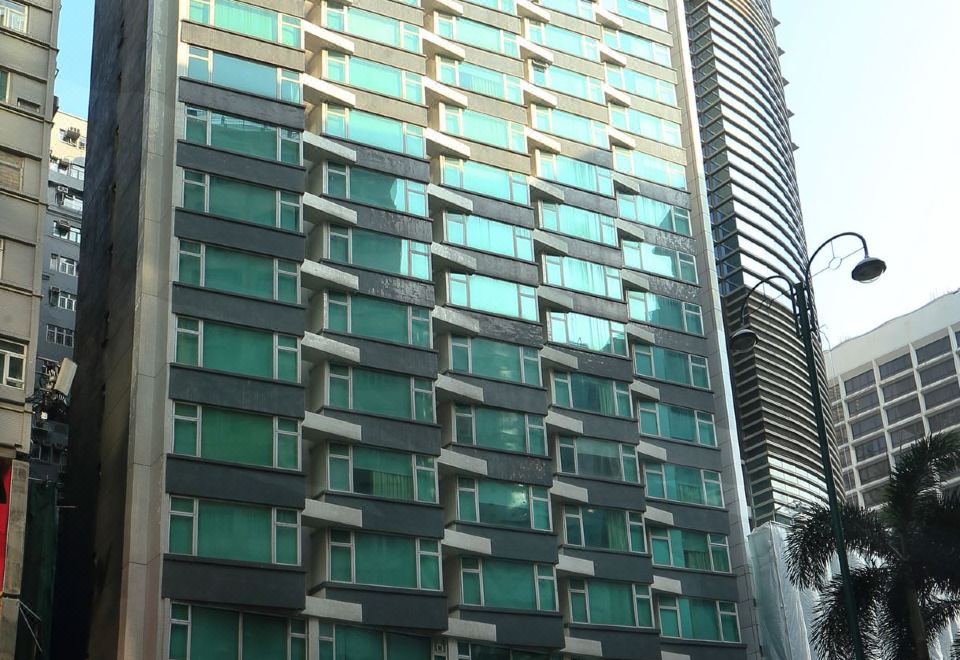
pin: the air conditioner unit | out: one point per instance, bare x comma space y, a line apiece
63, 228
63, 189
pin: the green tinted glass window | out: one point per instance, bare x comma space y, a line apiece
638, 208
589, 333
578, 222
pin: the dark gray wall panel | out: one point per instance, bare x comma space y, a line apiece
608, 428
391, 517
504, 268
238, 310
400, 608
219, 481
390, 162
244, 168
705, 650
685, 453
393, 433
622, 644
518, 332
701, 518
498, 394
391, 222
220, 389
615, 565
588, 200
203, 581
542, 630
499, 210
239, 235
516, 544
392, 287
700, 584
393, 357
605, 366
239, 104
617, 495
518, 468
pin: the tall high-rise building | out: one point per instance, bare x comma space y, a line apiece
891, 386
758, 229
59, 258
400, 338
28, 35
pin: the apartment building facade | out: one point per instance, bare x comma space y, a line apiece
758, 232
400, 338
891, 386
28, 32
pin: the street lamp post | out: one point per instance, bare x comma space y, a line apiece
867, 269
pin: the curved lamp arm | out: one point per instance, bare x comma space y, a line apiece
765, 280
863, 242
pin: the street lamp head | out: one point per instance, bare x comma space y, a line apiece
743, 339
868, 269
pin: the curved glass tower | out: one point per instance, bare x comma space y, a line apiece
758, 230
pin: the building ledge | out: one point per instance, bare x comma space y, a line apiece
547, 243
323, 210
532, 51
554, 357
468, 543
475, 630
320, 277
611, 56
318, 38
317, 148
457, 462
434, 45
452, 320
630, 230
321, 514
440, 144
318, 348
640, 334
439, 93
544, 191
317, 426
559, 423
615, 96
541, 141
324, 608
449, 258
552, 299
620, 138
564, 491
534, 94
317, 91
449, 388
440, 197
634, 280
527, 9
575, 566
644, 391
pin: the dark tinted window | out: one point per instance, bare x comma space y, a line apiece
937, 372
944, 420
874, 471
867, 425
904, 434
933, 349
860, 382
941, 394
899, 388
873, 497
870, 448
895, 366
903, 410
863, 403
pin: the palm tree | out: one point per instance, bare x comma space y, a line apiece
908, 585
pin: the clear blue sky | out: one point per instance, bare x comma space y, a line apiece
73, 62
872, 86
872, 89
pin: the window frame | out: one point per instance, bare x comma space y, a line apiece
7, 358
627, 453
581, 587
284, 77
563, 380
194, 515
633, 524
531, 422
525, 294
695, 364
539, 579
415, 315
409, 132
527, 355
415, 470
278, 346
278, 273
15, 9
411, 84
534, 494
416, 386
421, 551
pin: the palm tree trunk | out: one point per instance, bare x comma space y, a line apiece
918, 629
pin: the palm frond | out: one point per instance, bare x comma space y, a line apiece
935, 545
918, 477
811, 545
831, 634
